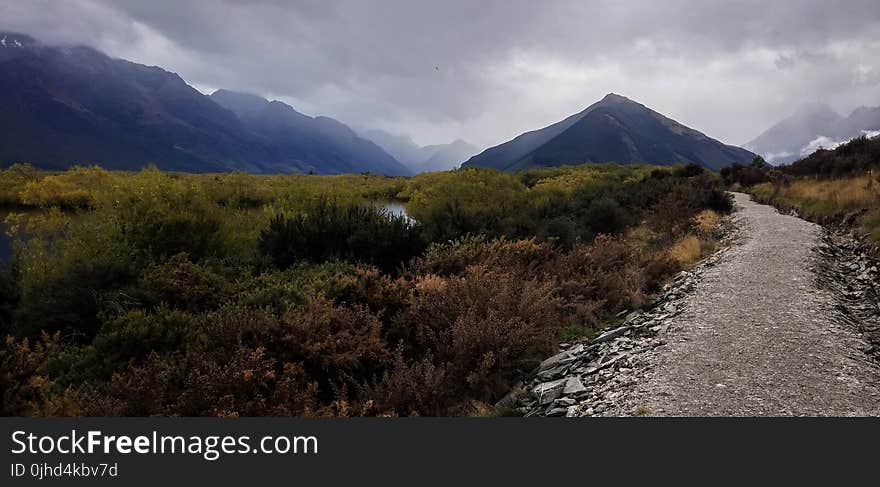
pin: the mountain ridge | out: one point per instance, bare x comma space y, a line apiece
614, 129
74, 105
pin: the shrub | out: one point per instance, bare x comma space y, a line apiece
601, 279
71, 298
605, 215
25, 386
167, 301
249, 383
9, 295
184, 285
468, 337
352, 233
126, 341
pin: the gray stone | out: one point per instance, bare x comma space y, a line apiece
557, 412
554, 372
563, 402
559, 358
547, 392
611, 334
573, 385
632, 316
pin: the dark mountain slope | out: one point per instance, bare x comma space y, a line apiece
505, 155
616, 129
74, 105
319, 144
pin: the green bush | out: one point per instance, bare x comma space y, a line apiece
351, 233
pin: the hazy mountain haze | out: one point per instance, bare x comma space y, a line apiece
812, 127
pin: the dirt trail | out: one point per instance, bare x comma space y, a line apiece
758, 337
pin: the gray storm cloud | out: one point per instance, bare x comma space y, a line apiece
486, 71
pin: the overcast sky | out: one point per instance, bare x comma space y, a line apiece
486, 70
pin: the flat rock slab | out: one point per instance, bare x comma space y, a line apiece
758, 337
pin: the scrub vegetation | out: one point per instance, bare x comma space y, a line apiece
156, 293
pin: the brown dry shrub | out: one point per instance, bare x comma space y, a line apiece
338, 346
606, 275
468, 338
185, 285
706, 221
368, 287
413, 388
25, 385
250, 384
519, 256
254, 363
658, 266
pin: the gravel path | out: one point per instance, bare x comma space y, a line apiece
758, 337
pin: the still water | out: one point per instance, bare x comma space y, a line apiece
396, 209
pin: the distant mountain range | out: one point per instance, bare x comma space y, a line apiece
615, 129
441, 157
320, 144
810, 128
74, 105
66, 105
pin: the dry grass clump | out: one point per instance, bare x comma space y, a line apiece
687, 251
641, 410
707, 220
820, 198
845, 194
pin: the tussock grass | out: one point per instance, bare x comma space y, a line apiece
829, 199
707, 220
687, 250
824, 197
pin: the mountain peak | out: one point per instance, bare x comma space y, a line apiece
615, 98
614, 129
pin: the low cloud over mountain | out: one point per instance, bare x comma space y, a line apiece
813, 127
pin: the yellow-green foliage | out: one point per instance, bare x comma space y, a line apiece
569, 178
13, 180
